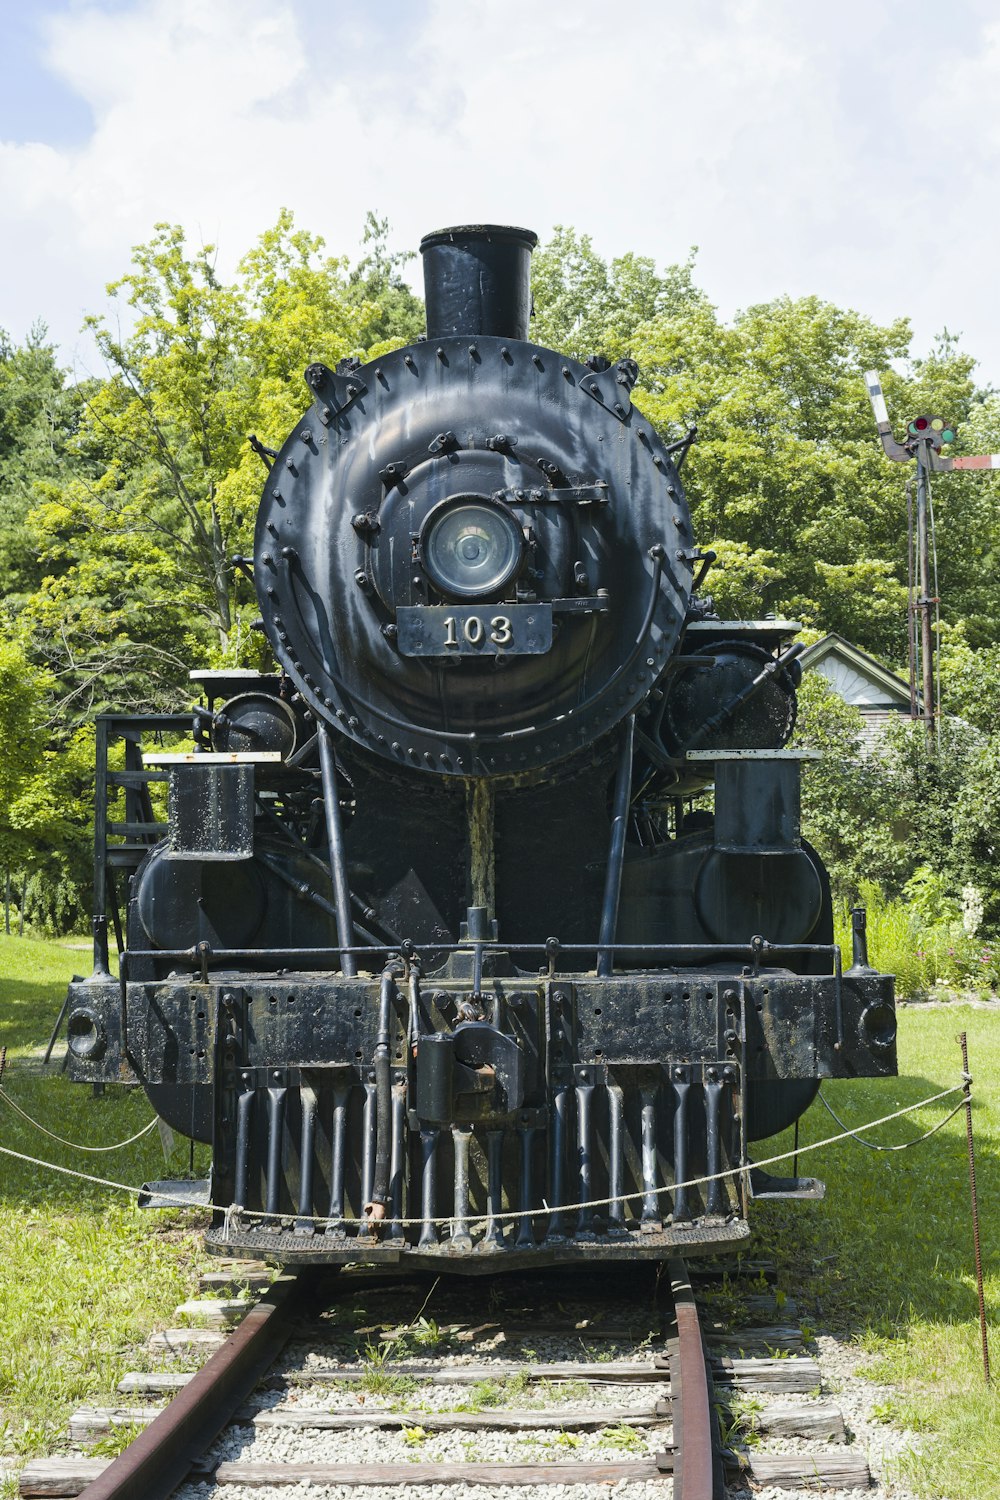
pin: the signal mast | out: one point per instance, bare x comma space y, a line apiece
925, 436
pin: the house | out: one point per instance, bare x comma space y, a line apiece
879, 695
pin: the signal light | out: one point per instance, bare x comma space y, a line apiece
932, 430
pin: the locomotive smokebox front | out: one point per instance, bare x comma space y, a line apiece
459, 592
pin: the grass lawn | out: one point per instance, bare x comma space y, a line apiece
887, 1256
85, 1275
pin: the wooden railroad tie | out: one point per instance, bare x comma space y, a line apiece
817, 1420
63, 1477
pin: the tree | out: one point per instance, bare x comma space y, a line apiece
966, 512
394, 315
787, 481
140, 546
851, 802
22, 743
586, 305
39, 416
46, 795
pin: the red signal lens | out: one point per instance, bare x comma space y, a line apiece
921, 424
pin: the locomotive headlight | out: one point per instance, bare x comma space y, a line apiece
471, 547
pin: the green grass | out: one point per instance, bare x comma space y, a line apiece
622, 1438
33, 976
887, 1256
86, 1276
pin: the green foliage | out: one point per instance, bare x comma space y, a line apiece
622, 1438
970, 680
786, 480
584, 305
499, 1391
393, 315
39, 416
22, 707
740, 1422
139, 545
115, 1441
45, 798
922, 940
966, 512
908, 821
376, 1379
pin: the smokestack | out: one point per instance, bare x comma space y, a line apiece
477, 280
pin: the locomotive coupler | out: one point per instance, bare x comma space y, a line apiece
472, 1073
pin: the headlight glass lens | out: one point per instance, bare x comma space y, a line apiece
472, 549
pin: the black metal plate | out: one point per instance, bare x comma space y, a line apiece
474, 630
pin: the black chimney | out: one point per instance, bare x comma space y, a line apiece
477, 280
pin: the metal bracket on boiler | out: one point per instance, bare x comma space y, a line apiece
613, 388
333, 393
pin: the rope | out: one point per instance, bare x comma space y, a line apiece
122, 1187
75, 1145
905, 1146
235, 1210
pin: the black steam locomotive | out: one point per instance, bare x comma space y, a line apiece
434, 946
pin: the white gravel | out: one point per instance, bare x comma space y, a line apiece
552, 1396
389, 1445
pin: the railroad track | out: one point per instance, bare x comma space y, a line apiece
532, 1381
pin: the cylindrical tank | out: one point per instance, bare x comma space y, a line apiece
477, 280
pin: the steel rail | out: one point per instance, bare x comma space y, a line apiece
697, 1457
163, 1454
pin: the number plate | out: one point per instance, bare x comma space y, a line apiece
464, 630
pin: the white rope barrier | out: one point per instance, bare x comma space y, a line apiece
75, 1145
235, 1210
903, 1145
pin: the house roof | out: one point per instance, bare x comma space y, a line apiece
857, 677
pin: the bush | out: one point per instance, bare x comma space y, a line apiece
921, 938
911, 828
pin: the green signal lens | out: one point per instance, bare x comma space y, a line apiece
948, 435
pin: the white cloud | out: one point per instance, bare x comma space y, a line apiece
801, 147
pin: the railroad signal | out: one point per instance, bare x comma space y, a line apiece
933, 430
925, 437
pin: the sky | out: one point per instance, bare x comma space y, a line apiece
847, 149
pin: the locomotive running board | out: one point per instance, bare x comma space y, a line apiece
294, 1249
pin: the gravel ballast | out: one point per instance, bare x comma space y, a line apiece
842, 1384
